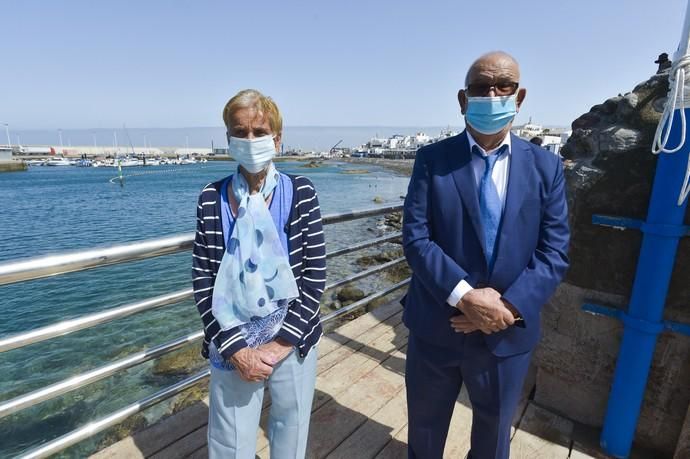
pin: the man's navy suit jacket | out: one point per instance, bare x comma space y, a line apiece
444, 242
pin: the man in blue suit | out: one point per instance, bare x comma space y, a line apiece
486, 234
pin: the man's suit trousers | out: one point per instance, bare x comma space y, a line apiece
434, 376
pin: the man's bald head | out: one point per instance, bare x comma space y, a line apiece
494, 74
493, 65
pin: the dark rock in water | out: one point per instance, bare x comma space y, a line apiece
190, 396
181, 362
57, 415
379, 258
398, 272
394, 220
124, 429
373, 304
348, 295
312, 165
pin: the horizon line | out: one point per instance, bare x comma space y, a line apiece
221, 127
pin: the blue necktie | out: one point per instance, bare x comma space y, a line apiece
490, 204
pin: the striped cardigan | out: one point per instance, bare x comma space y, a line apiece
301, 327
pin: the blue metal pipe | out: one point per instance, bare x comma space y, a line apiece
668, 325
644, 320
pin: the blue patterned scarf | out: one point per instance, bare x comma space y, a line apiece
254, 276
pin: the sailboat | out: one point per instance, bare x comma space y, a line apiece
127, 161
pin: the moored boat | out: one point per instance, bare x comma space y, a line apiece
58, 161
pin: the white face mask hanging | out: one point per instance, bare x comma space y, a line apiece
252, 154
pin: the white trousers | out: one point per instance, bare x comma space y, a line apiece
235, 410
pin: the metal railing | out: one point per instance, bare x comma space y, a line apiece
72, 325
33, 398
41, 267
68, 326
81, 260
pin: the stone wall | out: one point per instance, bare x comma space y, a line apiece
12, 166
609, 170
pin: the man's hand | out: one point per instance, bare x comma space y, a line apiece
513, 310
250, 365
461, 324
275, 351
484, 310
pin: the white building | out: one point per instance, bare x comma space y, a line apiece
398, 146
5, 153
528, 131
421, 139
37, 150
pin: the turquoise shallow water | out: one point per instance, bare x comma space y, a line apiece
47, 210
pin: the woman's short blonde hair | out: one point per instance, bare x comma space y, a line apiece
264, 106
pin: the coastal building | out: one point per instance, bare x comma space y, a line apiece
529, 130
553, 138
552, 142
5, 153
398, 146
338, 152
36, 150
220, 151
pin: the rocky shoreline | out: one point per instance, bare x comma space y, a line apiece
401, 167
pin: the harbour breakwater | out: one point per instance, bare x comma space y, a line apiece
12, 166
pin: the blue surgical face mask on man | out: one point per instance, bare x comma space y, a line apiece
489, 115
252, 154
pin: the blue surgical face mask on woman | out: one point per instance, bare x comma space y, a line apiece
252, 154
489, 115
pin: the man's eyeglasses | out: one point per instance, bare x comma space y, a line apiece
501, 88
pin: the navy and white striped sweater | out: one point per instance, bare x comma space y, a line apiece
301, 327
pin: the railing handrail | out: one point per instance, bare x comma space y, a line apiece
92, 428
65, 327
37, 396
80, 260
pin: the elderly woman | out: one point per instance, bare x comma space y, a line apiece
259, 269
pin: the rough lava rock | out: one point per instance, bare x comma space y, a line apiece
609, 171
